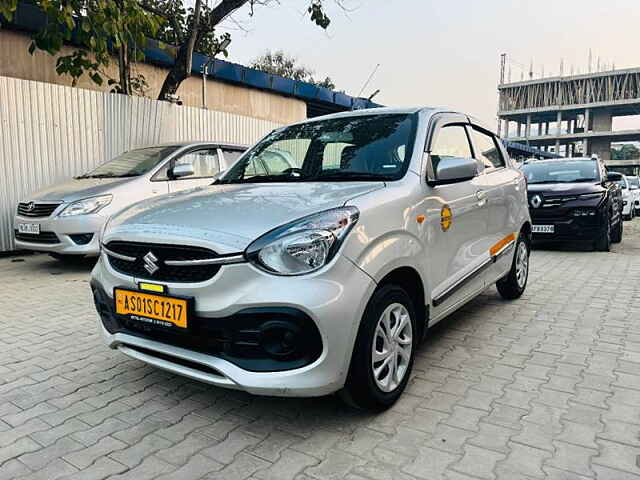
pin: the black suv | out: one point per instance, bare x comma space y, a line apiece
574, 200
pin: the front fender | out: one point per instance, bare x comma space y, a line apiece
379, 256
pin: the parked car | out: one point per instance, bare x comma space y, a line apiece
574, 200
634, 186
628, 198
322, 276
65, 219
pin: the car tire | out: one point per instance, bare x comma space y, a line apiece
603, 242
372, 384
616, 235
513, 285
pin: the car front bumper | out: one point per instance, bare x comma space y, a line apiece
59, 234
568, 229
333, 299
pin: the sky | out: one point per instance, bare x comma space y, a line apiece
442, 53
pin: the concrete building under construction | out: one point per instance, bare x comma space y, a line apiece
571, 115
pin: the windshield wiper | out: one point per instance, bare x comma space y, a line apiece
261, 179
349, 176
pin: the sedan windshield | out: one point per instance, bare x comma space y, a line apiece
132, 163
561, 171
358, 148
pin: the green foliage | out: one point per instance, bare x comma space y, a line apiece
7, 7
99, 29
627, 151
279, 63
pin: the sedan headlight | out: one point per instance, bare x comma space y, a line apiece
588, 196
304, 245
87, 205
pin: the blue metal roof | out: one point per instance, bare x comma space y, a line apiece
30, 18
522, 148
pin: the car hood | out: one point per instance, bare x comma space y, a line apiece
563, 189
229, 217
78, 188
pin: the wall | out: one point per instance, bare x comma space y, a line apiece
49, 133
16, 62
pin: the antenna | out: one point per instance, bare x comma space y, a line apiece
531, 69
561, 66
503, 61
590, 57
369, 79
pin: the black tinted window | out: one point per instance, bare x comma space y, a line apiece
562, 171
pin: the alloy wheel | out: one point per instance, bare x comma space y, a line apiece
522, 264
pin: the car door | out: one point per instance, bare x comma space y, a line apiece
205, 164
502, 188
457, 231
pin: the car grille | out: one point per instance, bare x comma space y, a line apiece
165, 273
32, 209
42, 237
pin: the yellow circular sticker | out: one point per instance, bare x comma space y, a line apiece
446, 218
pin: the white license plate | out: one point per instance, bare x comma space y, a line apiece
30, 228
543, 228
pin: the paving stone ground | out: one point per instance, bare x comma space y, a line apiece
544, 387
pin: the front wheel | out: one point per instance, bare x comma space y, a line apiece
603, 242
616, 236
384, 350
512, 286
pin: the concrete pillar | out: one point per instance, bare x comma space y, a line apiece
587, 120
585, 147
540, 129
557, 149
527, 130
559, 122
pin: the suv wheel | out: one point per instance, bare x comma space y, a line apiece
512, 286
616, 236
384, 350
603, 243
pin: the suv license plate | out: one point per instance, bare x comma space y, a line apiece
543, 229
30, 228
161, 310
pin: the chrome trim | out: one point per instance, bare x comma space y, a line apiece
126, 258
206, 261
460, 283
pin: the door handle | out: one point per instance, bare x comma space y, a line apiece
481, 195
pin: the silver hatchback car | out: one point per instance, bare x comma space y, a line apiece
66, 219
325, 275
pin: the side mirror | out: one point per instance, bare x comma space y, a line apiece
182, 170
453, 169
614, 177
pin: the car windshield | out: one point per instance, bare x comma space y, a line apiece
357, 148
634, 182
132, 163
560, 171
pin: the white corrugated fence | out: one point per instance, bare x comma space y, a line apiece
49, 133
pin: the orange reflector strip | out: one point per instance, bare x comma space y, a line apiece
501, 244
420, 219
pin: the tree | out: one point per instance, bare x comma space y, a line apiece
101, 29
625, 152
98, 28
279, 63
202, 22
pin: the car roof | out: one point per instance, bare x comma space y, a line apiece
195, 143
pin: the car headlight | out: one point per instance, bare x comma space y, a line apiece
304, 245
87, 205
587, 196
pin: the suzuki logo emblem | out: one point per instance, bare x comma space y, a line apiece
150, 263
536, 201
30, 206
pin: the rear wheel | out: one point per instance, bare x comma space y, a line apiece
512, 286
384, 351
